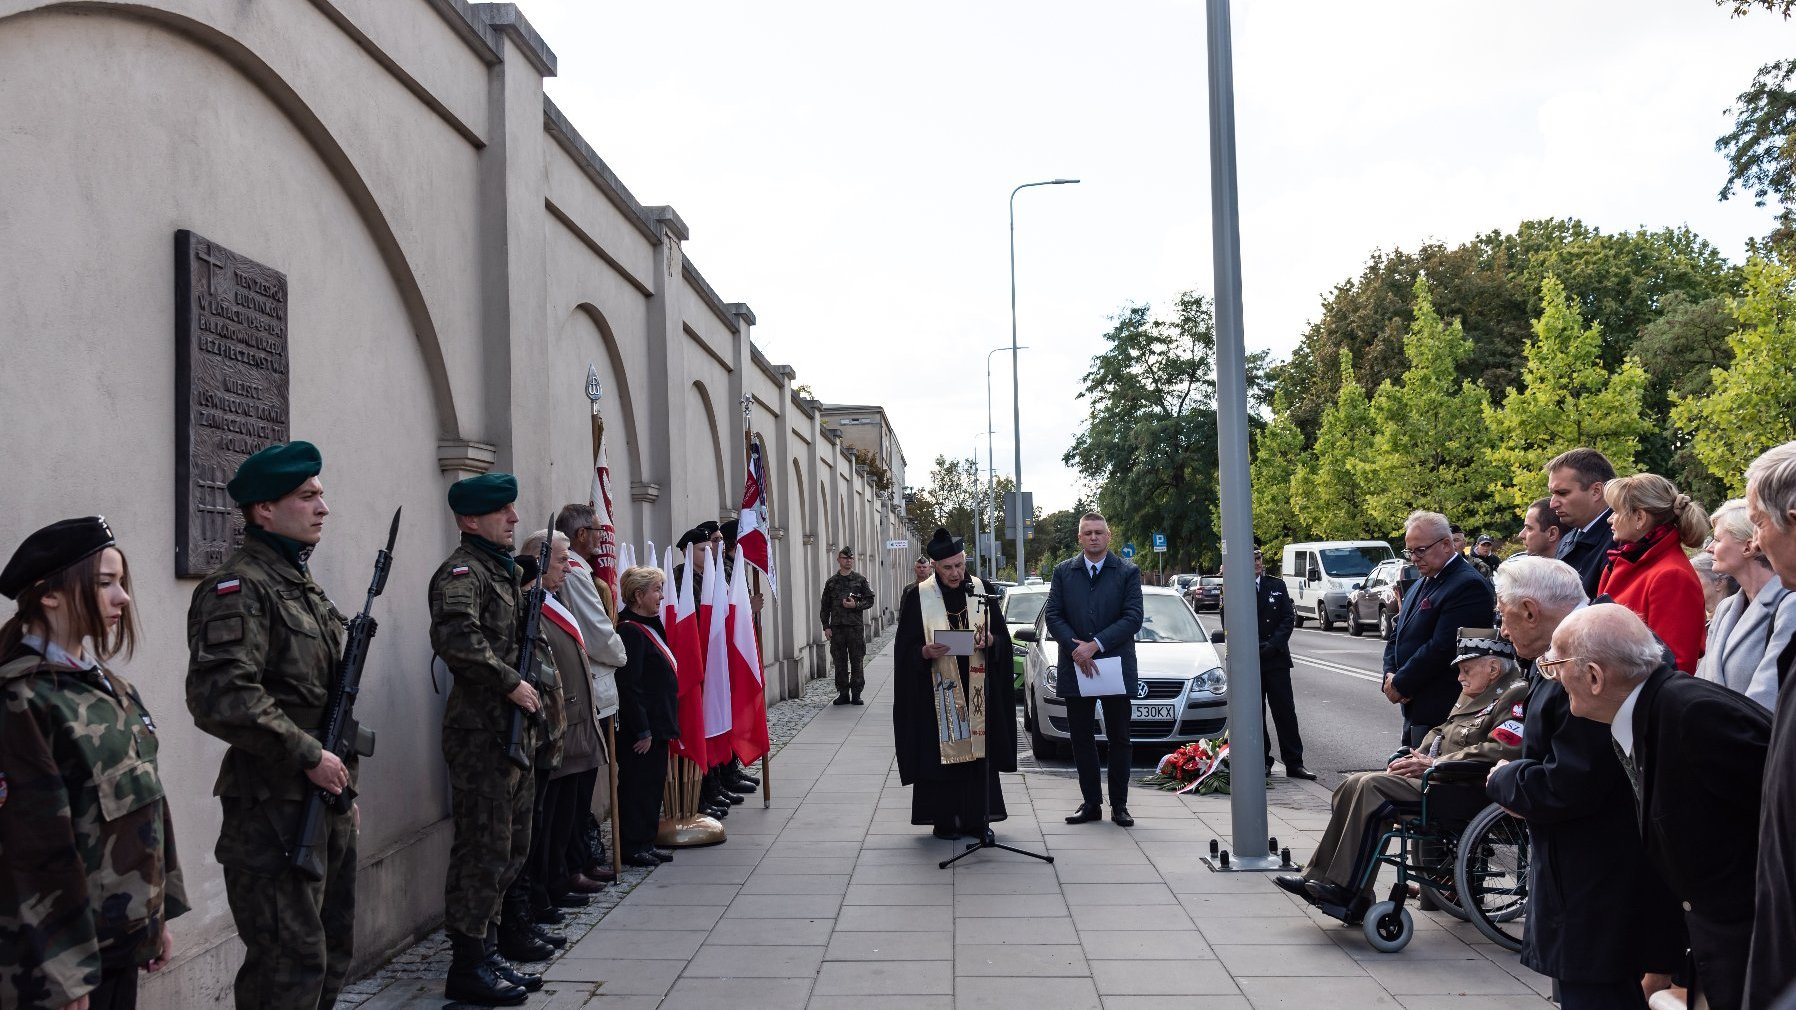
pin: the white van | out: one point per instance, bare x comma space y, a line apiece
1320, 575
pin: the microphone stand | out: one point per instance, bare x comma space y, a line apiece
988, 839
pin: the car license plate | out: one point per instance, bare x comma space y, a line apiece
1153, 712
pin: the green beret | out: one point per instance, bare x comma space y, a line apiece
274, 472
489, 492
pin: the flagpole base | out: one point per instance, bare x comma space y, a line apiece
690, 832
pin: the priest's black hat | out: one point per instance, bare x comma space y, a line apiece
51, 549
945, 545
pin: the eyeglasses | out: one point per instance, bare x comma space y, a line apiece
1413, 553
1549, 668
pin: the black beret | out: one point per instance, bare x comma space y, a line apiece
274, 472
690, 537
728, 529
709, 528
476, 496
945, 545
845, 552
51, 549
526, 568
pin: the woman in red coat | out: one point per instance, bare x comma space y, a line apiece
1648, 571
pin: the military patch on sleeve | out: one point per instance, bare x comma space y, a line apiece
1517, 710
224, 630
228, 586
459, 570
1509, 733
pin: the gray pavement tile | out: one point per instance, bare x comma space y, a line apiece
778, 862
727, 854
1145, 945
655, 945
764, 932
891, 945
1286, 960
1005, 883
1032, 960
1162, 978
604, 1001
692, 873
1463, 1002
1118, 894
1223, 906
1293, 929
936, 1002
1511, 963
626, 976
678, 917
781, 961
805, 848
1176, 1003
1269, 993
1026, 994
985, 906
1107, 873
872, 978
783, 906
1092, 917
864, 918
910, 853
843, 782
1427, 944
792, 883
941, 893
1473, 976
653, 892
1201, 880
1098, 857
900, 873
1014, 931
738, 994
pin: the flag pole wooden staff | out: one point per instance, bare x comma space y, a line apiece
594, 392
748, 442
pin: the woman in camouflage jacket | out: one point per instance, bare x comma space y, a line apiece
88, 876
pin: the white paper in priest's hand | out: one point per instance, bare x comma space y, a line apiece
959, 643
1108, 681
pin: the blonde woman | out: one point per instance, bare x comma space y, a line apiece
1750, 628
1648, 571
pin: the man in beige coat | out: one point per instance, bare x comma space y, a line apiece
604, 653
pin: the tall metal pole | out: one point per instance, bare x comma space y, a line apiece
978, 541
991, 469
1247, 732
1016, 395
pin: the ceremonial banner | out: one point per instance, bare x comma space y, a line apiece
605, 568
718, 716
751, 526
748, 692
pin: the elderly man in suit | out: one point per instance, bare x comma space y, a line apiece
1600, 921
1094, 610
1694, 752
1575, 480
1771, 969
1418, 658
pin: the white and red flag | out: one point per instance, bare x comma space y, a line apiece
751, 526
679, 615
718, 715
748, 692
606, 567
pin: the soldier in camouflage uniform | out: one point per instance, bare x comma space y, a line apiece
88, 875
474, 604
263, 643
846, 596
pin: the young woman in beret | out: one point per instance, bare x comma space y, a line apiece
88, 876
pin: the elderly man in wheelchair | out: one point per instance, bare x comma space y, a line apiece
1428, 794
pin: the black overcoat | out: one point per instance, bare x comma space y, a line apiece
1771, 969
648, 694
913, 705
1276, 618
1589, 553
1081, 608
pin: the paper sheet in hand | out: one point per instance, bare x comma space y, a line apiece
959, 643
1108, 681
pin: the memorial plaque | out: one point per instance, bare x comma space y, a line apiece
230, 389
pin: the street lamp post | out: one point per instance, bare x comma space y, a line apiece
978, 541
1016, 396
991, 469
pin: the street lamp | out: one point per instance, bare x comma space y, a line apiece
991, 469
978, 541
1016, 386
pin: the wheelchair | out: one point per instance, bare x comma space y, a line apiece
1466, 856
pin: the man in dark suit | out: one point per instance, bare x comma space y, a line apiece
1418, 658
1275, 669
1599, 916
1093, 611
1575, 482
1694, 753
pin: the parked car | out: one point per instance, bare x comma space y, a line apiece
1021, 606
1182, 693
1183, 583
1205, 593
1320, 575
1377, 600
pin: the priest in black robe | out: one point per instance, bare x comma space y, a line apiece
953, 723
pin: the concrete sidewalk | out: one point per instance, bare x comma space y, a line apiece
832, 899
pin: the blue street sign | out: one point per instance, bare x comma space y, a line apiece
1159, 541
1128, 550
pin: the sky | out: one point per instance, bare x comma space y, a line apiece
845, 168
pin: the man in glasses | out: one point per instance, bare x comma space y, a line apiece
1600, 920
1418, 658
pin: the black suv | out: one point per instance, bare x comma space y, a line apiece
1375, 601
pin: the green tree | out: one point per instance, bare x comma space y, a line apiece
1056, 535
1149, 440
1761, 158
1329, 491
1278, 455
1430, 446
1752, 405
956, 487
1567, 399
1686, 345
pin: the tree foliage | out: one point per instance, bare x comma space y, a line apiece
956, 487
1761, 158
1278, 456
1752, 404
1329, 493
1567, 399
1742, 7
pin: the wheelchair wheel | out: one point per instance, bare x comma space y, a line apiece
1389, 927
1492, 874
1440, 897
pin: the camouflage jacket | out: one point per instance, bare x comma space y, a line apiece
1486, 728
837, 589
474, 604
87, 850
263, 646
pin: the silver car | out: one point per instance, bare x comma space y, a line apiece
1181, 695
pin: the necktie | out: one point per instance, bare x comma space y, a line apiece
1566, 542
1093, 569
1627, 765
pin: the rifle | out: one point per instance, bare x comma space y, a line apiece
533, 615
342, 735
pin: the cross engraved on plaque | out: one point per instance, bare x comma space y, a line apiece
231, 389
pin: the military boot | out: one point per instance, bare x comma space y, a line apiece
841, 699
516, 941
472, 980
856, 700
529, 981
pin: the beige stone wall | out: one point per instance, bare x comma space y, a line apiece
457, 254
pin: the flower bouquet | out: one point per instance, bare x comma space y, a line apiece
1201, 767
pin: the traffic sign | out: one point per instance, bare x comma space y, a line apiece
1160, 543
1128, 550
897, 545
